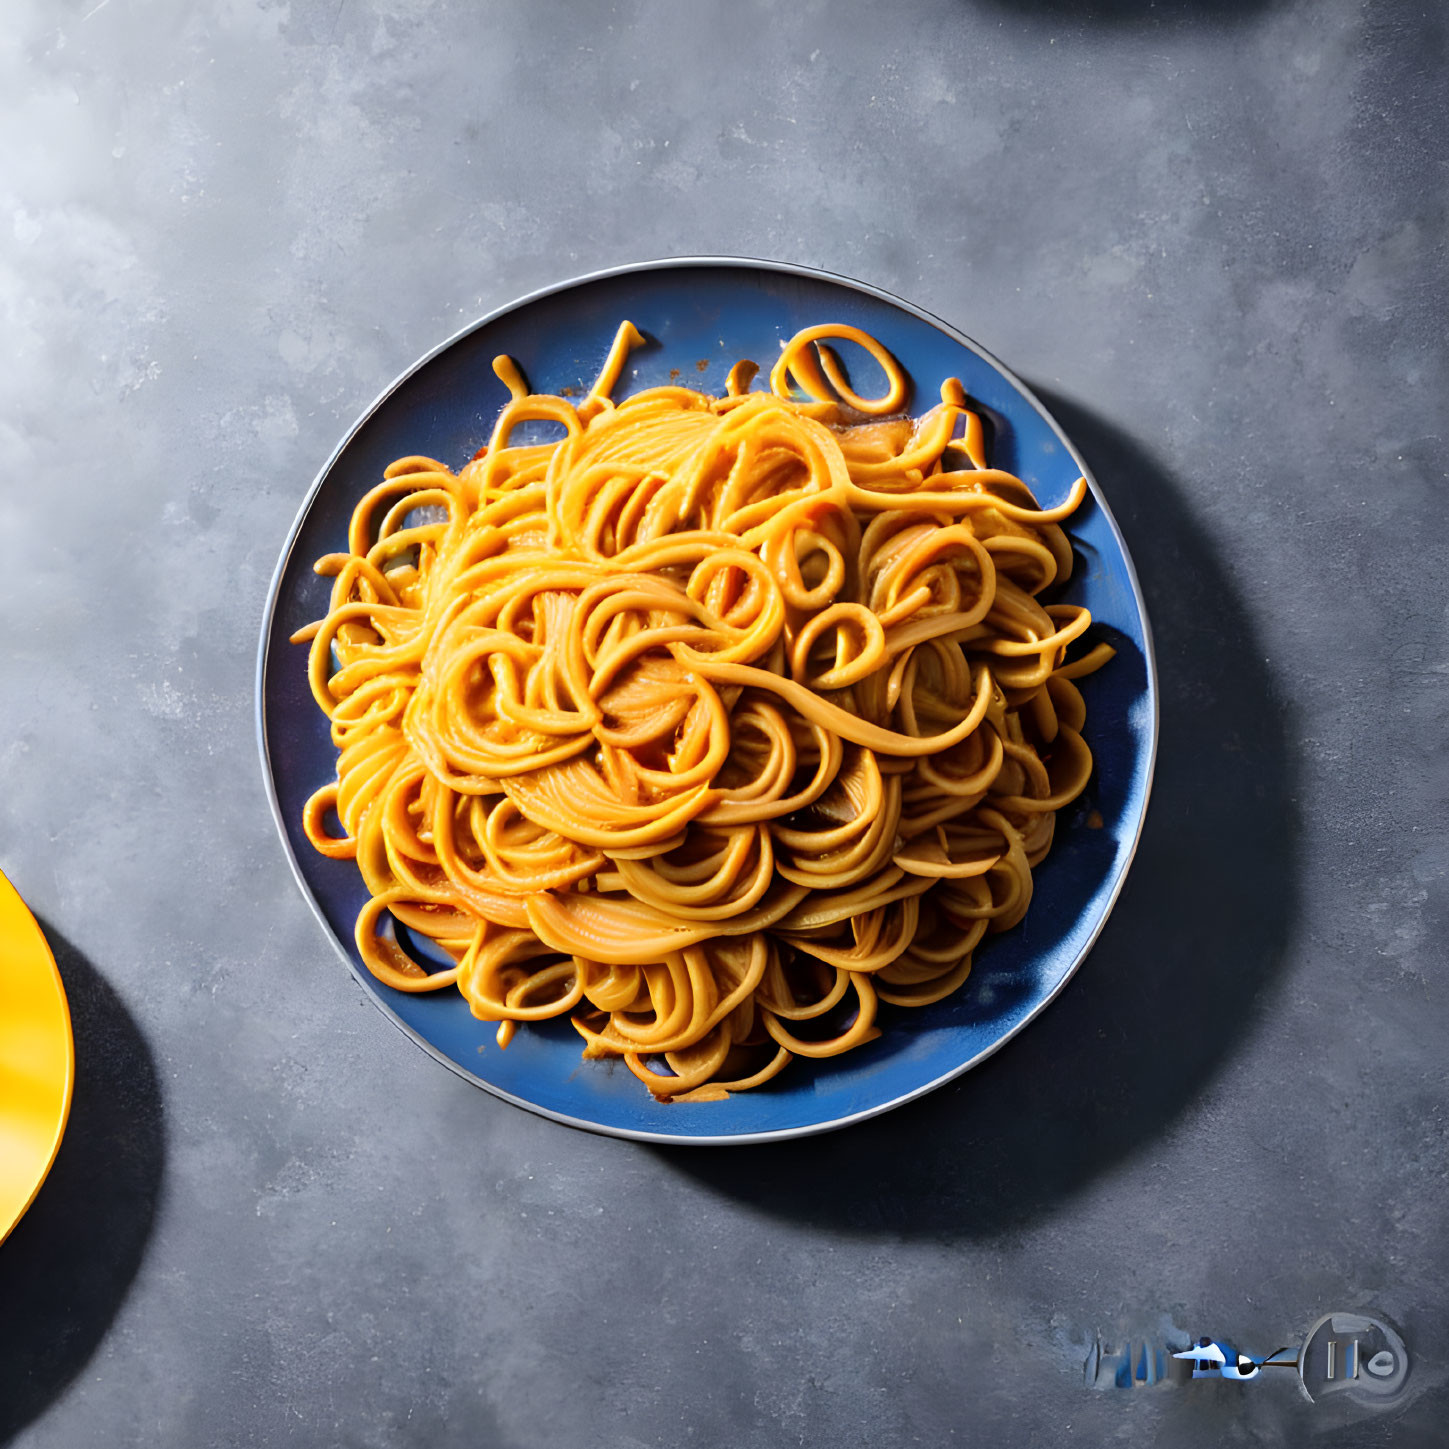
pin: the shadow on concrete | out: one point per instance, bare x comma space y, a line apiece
1135, 13
66, 1268
1183, 969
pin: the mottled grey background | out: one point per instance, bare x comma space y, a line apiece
1214, 236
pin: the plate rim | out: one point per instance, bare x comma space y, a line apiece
778, 1134
44, 954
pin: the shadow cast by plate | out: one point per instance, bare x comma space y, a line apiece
1173, 985
67, 1267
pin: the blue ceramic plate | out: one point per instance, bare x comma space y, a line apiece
700, 315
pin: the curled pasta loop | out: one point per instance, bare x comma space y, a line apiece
798, 363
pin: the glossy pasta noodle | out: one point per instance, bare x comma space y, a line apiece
713, 724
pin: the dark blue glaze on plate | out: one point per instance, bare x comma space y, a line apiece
715, 311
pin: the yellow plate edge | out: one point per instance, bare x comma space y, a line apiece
48, 956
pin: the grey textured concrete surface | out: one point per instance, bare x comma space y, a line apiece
1214, 236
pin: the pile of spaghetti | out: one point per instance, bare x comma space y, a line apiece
712, 724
